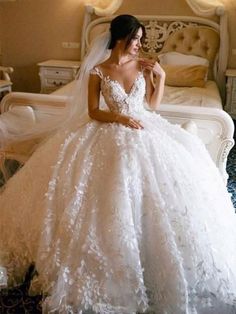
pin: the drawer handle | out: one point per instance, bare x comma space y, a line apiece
57, 84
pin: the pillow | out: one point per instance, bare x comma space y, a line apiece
177, 58
185, 76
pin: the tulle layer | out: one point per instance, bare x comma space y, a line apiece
122, 221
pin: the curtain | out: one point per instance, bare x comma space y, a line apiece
106, 7
211, 7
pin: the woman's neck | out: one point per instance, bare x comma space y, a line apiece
119, 58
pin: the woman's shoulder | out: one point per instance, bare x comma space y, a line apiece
100, 69
103, 66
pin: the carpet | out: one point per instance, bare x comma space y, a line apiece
18, 301
231, 169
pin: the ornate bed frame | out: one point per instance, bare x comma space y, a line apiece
186, 34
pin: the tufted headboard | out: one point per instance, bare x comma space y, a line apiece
200, 41
186, 34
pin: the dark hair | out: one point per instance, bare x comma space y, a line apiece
124, 26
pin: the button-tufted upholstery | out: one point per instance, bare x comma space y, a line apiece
200, 41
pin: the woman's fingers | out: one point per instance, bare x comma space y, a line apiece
130, 122
147, 63
135, 124
151, 65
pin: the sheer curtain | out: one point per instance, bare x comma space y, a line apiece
210, 7
106, 7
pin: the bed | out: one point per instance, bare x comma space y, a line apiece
198, 107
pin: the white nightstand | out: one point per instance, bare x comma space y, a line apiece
56, 73
231, 92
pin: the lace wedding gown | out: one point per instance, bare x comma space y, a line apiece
119, 220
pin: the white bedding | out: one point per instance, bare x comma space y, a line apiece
207, 96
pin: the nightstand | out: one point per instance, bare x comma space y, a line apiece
231, 92
56, 73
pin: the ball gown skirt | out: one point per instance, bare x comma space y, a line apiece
119, 220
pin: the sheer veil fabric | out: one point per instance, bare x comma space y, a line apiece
97, 53
76, 111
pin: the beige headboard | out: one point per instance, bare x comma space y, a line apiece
200, 41
186, 34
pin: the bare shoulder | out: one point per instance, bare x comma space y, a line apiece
104, 65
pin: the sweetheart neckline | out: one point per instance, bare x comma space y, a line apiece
122, 87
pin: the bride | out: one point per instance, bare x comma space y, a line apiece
120, 211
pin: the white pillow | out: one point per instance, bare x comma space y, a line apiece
177, 58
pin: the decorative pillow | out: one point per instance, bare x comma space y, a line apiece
177, 58
185, 76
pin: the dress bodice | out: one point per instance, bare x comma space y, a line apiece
119, 100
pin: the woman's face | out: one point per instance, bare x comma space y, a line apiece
135, 43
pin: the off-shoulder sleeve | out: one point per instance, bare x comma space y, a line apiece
96, 71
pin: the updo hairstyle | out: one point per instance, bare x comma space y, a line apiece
124, 26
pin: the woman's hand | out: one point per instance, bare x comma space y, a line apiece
155, 81
153, 66
129, 122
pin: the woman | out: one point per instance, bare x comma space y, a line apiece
124, 213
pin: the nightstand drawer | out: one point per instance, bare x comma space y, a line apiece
62, 73
53, 82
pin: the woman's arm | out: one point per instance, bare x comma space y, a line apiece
154, 85
101, 115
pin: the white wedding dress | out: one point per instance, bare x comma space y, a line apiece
119, 220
